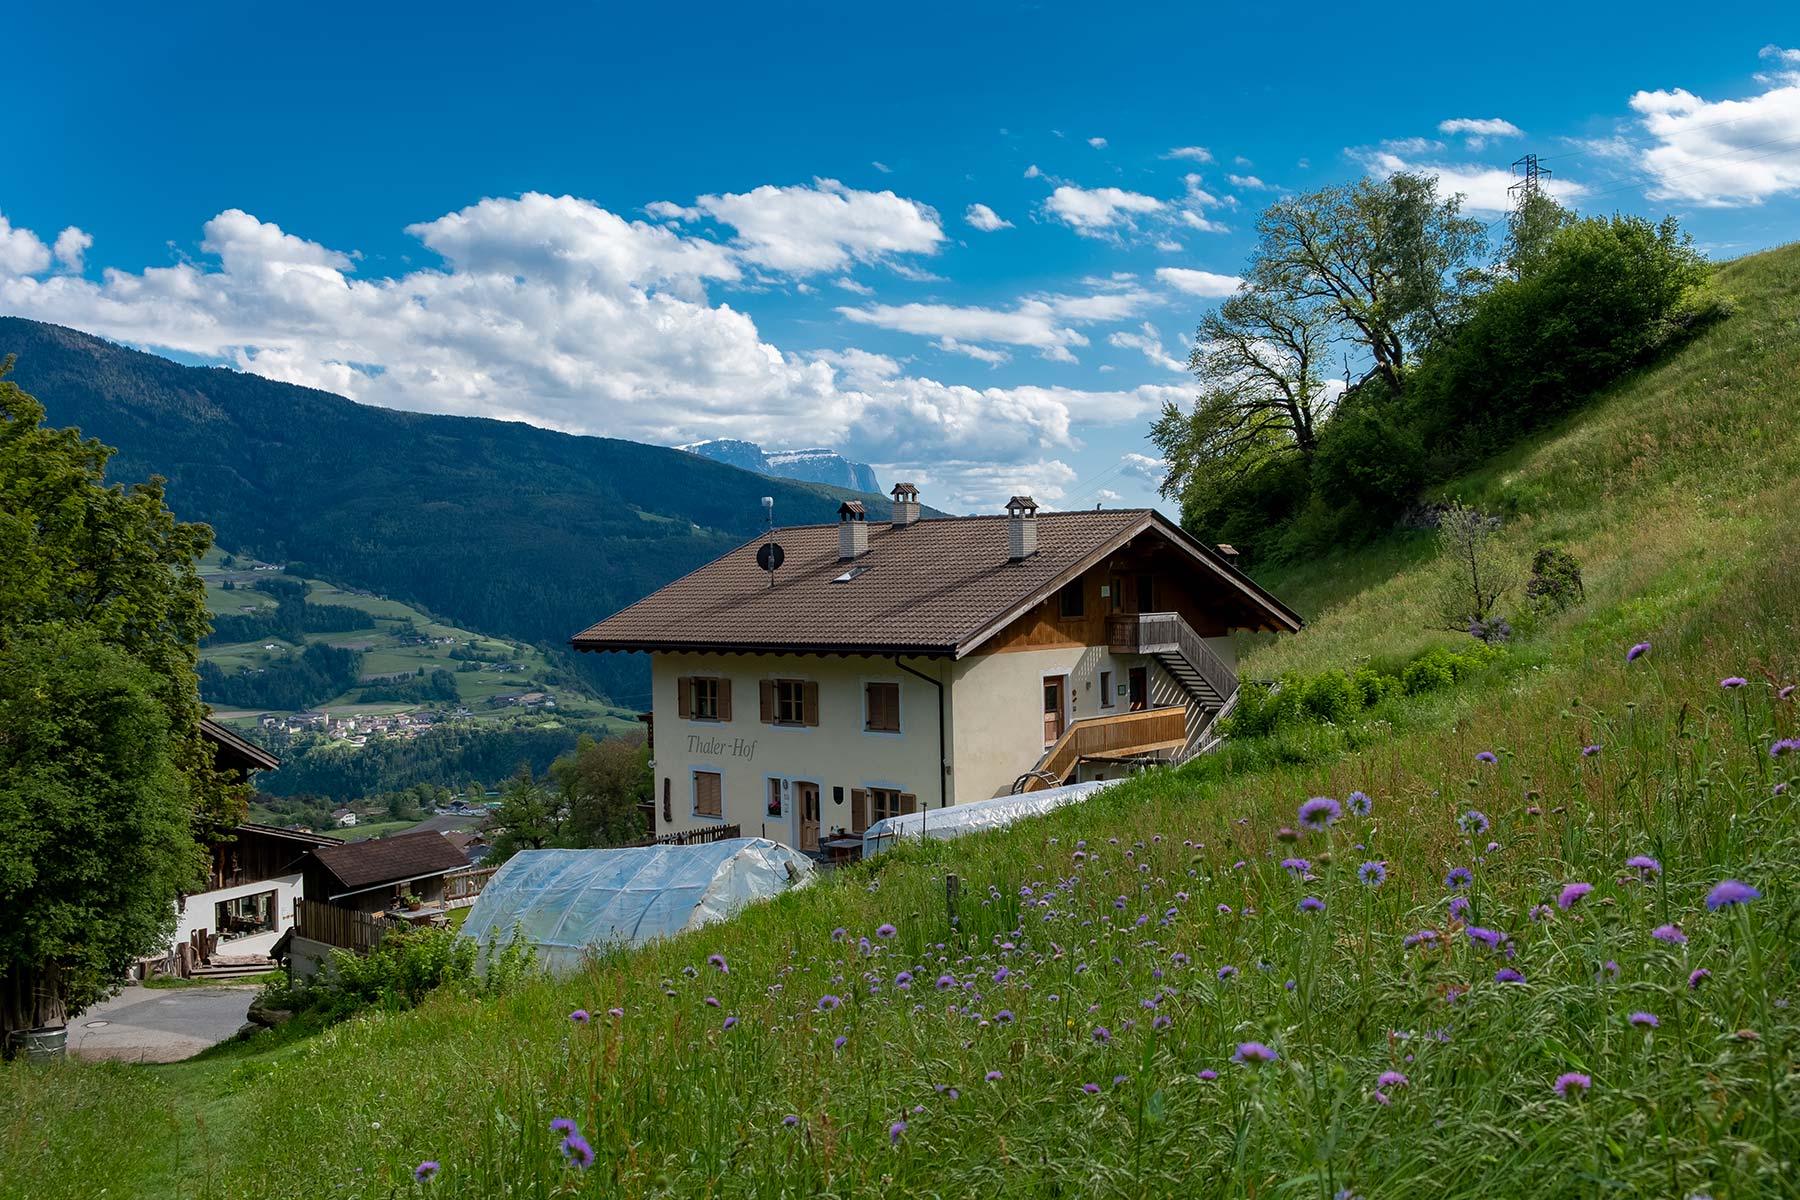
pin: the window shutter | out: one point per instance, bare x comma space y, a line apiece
909, 803
810, 702
668, 804
767, 688
684, 697
724, 699
859, 810
872, 697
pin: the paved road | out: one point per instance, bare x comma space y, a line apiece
159, 1024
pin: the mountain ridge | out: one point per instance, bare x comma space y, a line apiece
816, 464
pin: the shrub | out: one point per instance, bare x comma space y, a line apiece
1330, 696
1428, 673
1555, 581
406, 967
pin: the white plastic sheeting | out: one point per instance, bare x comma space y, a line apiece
976, 815
569, 902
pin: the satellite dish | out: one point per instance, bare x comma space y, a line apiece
770, 556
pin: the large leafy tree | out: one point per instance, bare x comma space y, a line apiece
108, 793
602, 783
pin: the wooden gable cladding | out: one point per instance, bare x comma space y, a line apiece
1172, 590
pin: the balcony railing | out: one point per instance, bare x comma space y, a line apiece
1168, 638
1121, 735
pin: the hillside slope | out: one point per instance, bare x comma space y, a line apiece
1512, 976
502, 527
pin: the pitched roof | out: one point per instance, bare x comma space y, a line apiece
233, 752
362, 865
939, 587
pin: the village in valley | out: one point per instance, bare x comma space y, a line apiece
1175, 636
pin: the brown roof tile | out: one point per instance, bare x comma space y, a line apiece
937, 587
391, 859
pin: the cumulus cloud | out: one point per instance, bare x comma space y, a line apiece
1249, 183
1483, 188
1098, 143
1478, 131
1198, 283
1099, 212
71, 249
1042, 323
1725, 153
1199, 154
555, 311
823, 227
985, 219
1147, 341
1142, 466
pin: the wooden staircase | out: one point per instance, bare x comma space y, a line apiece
1120, 735
1184, 654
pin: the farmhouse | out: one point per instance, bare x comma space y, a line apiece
374, 876
890, 668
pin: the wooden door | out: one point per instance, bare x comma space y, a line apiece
1146, 593
1140, 688
1055, 687
808, 805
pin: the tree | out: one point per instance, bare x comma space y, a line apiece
601, 784
1472, 578
1531, 228
529, 817
103, 577
1388, 260
1259, 359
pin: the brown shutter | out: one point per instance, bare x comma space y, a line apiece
724, 699
872, 701
859, 810
809, 700
668, 804
909, 803
767, 688
684, 697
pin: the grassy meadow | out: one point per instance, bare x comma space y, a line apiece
1511, 975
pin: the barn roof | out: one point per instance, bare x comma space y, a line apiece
359, 866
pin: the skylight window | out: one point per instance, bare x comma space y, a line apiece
852, 573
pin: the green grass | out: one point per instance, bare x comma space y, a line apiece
1676, 492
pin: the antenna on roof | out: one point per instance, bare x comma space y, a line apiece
769, 555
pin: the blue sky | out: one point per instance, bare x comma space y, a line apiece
678, 222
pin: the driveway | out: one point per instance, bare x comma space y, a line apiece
159, 1024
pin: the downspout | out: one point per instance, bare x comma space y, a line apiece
943, 758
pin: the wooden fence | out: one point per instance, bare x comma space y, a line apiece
462, 887
341, 927
695, 837
1120, 735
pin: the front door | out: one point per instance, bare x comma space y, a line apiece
1140, 688
1054, 689
808, 794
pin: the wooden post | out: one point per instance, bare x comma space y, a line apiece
952, 889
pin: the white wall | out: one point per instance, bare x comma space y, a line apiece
199, 913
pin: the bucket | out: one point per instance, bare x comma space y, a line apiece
42, 1045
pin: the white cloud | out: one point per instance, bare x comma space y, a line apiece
850, 285
982, 487
1478, 131
1198, 283
1098, 143
1412, 145
882, 167
1042, 323
22, 252
1170, 246
1250, 183
1142, 466
555, 311
1148, 342
985, 219
1097, 212
1199, 154
824, 227
1725, 153
1032, 171
1483, 188
71, 248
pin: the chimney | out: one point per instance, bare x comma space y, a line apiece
906, 505
1021, 528
853, 531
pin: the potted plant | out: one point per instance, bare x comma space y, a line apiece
412, 902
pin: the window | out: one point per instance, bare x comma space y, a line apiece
1106, 692
790, 702
881, 707
1071, 602
704, 698
889, 802
709, 794
244, 916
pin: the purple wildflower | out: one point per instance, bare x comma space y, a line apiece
1360, 804
1644, 1020
1253, 1052
1698, 976
615, 1012
945, 983
1571, 893
731, 1022
577, 1152
894, 1132
839, 934
1296, 866
1162, 1022
1637, 652
1372, 873
790, 1120
1092, 1089
1669, 933
994, 1077
1785, 692
1784, 747
1473, 822
1102, 1034
1486, 756
903, 980
1590, 751
1645, 864
1729, 892
885, 931
1608, 968
1572, 1079
425, 1170
562, 1125
579, 1016
1459, 877
828, 1002
837, 1043
1508, 975
1227, 972
712, 1002
1389, 1079
718, 960
1733, 681
1208, 1075
1311, 904
1319, 813
1421, 938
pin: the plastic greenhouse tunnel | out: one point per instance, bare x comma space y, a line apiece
975, 816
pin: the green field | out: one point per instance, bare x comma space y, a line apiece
385, 649
1093, 1017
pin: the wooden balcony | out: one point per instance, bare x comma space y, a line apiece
1120, 735
1182, 652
